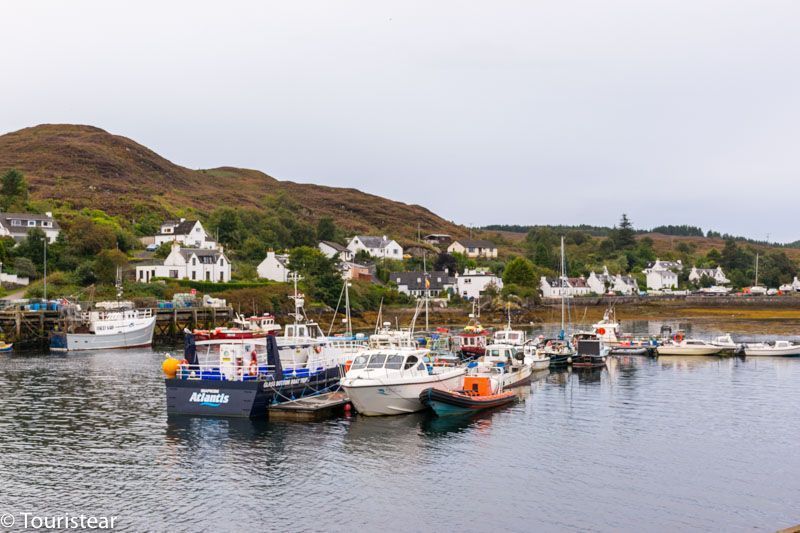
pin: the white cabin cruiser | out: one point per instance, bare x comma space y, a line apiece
726, 342
506, 360
388, 381
779, 348
688, 347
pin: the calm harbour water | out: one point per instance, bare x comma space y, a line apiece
672, 444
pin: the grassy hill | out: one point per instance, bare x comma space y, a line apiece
85, 166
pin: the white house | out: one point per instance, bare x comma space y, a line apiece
334, 249
274, 267
603, 283
420, 283
473, 248
715, 274
17, 225
186, 232
473, 283
662, 275
378, 247
600, 283
558, 287
189, 263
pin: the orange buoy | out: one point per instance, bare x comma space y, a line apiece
170, 367
347, 365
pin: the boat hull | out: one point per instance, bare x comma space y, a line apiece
6, 348
241, 399
381, 399
774, 352
587, 361
139, 337
678, 350
445, 403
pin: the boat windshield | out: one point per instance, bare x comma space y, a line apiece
496, 352
360, 362
394, 362
377, 360
380, 360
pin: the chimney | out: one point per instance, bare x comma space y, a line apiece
49, 214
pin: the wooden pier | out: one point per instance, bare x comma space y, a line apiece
31, 327
310, 408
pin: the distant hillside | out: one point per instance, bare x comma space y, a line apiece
84, 166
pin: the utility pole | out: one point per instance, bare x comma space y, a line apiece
45, 269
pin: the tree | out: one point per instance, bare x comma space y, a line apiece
446, 261
106, 264
519, 271
163, 250
326, 229
88, 238
33, 247
320, 273
13, 189
623, 236
25, 267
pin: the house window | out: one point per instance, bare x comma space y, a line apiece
208, 276
173, 274
222, 276
194, 274
31, 223
221, 262
16, 222
194, 261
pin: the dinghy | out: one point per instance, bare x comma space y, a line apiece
476, 395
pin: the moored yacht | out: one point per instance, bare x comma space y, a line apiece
389, 381
681, 346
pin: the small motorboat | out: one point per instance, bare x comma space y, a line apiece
681, 346
726, 342
631, 349
5, 347
476, 395
779, 348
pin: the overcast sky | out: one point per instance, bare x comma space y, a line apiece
529, 112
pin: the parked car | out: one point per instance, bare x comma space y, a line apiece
152, 247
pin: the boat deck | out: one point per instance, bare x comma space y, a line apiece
310, 408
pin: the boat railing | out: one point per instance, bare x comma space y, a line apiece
247, 372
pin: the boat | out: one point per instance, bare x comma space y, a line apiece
778, 348
122, 326
476, 395
240, 377
5, 347
471, 341
536, 358
608, 331
681, 346
507, 362
507, 335
389, 381
727, 343
559, 351
591, 352
631, 349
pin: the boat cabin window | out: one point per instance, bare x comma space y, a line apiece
394, 362
360, 362
377, 360
411, 361
290, 331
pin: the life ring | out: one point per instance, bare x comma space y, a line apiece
601, 331
184, 362
678, 337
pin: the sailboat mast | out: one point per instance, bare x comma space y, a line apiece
756, 283
427, 289
347, 308
563, 275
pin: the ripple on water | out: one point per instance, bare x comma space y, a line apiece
674, 443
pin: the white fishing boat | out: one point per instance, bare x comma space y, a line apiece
778, 348
537, 358
389, 381
688, 347
507, 335
106, 330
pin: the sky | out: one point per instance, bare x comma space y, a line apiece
516, 112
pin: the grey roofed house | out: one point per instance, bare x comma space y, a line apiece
415, 281
17, 225
475, 243
204, 256
184, 227
374, 242
335, 245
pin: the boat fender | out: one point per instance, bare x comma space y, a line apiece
253, 368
